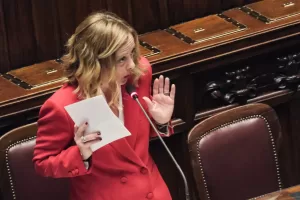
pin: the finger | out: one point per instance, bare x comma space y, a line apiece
167, 85
89, 143
75, 128
80, 131
155, 87
148, 102
172, 93
161, 84
92, 136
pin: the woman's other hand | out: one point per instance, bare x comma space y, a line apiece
162, 104
84, 141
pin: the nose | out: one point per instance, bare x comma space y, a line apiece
131, 64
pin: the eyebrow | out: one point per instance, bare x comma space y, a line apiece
123, 53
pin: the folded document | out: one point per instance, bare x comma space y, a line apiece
100, 118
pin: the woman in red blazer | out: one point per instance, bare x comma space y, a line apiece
102, 57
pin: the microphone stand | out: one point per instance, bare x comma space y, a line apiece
187, 194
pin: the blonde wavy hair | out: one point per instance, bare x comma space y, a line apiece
90, 60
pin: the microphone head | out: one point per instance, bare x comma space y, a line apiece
131, 90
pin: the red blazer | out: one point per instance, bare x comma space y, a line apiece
121, 170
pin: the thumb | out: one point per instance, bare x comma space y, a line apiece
148, 102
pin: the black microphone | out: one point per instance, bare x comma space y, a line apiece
132, 92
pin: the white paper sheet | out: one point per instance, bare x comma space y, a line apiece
100, 118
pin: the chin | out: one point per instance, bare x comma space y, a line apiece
123, 82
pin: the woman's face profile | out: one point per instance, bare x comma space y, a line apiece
125, 63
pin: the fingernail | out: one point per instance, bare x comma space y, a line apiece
100, 138
86, 123
98, 133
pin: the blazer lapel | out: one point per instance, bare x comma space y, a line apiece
131, 114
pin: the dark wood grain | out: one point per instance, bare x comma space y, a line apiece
32, 31
4, 59
163, 13
20, 32
146, 12
122, 9
66, 21
175, 11
235, 3
46, 29
43, 73
97, 5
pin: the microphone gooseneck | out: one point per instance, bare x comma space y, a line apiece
130, 89
132, 92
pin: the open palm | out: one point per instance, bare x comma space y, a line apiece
161, 105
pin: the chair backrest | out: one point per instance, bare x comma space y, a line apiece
18, 178
234, 153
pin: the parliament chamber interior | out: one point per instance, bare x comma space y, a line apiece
236, 67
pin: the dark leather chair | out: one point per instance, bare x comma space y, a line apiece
18, 178
234, 153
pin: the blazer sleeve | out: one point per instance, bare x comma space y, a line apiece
148, 78
54, 156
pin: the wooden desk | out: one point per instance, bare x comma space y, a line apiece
292, 193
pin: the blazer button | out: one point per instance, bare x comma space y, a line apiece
150, 195
124, 179
144, 170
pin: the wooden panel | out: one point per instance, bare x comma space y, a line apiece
4, 61
5, 86
97, 5
67, 21
44, 73
163, 12
46, 29
122, 8
81, 10
20, 32
207, 28
183, 10
70, 15
214, 7
279, 9
176, 54
234, 3
85, 8
145, 17
32, 31
175, 8
170, 47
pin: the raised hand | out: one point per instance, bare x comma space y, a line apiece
162, 104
